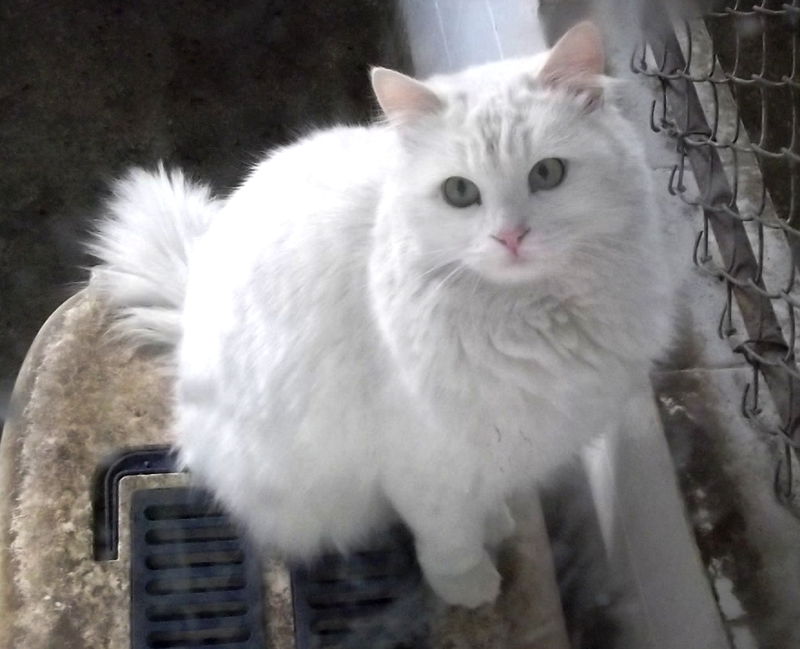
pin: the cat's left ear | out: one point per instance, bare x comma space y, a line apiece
401, 97
576, 64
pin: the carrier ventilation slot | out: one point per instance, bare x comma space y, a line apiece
366, 599
195, 583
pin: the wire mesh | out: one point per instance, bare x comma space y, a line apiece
729, 82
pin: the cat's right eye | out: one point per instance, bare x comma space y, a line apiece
460, 192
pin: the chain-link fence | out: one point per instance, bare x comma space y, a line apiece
730, 97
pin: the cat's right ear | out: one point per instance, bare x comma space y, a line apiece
402, 98
576, 64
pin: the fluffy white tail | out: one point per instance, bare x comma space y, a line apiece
143, 245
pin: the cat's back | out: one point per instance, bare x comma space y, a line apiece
329, 174
305, 213
284, 264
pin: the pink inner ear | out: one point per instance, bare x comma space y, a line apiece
575, 59
400, 96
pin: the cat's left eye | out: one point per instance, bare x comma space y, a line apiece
546, 174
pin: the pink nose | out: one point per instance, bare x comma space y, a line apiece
511, 238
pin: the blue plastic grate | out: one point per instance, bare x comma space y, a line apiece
195, 583
372, 598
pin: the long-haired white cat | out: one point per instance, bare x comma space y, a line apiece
413, 319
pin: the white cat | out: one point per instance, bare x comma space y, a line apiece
416, 319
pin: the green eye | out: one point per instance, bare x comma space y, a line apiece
546, 174
460, 192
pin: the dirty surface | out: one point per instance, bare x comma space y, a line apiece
71, 411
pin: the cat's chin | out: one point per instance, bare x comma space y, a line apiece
508, 271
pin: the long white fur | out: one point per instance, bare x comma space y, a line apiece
144, 242
352, 348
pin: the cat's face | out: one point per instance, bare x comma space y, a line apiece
514, 169
515, 189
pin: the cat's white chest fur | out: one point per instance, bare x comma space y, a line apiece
510, 375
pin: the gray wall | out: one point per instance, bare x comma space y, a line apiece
90, 87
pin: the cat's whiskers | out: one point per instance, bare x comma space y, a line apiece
472, 295
451, 276
442, 258
450, 254
448, 249
425, 274
435, 268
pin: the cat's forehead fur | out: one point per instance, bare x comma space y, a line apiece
501, 109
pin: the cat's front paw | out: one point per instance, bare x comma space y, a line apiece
500, 526
478, 585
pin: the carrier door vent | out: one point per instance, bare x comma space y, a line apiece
373, 598
195, 583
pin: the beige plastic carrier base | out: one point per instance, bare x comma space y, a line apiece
81, 398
